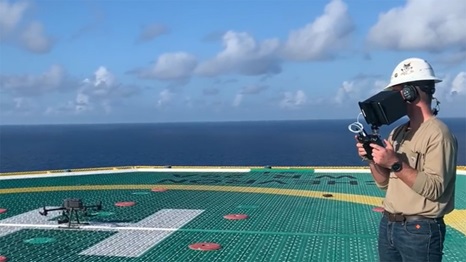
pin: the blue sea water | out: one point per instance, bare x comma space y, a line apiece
275, 143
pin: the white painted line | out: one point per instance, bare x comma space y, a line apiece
54, 226
362, 171
187, 170
203, 170
84, 173
87, 227
338, 171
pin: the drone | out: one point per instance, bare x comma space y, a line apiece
70, 207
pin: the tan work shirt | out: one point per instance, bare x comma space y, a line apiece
432, 151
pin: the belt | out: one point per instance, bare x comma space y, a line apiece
402, 218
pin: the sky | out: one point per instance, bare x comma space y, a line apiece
122, 61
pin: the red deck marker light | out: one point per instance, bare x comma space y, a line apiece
235, 216
3, 210
125, 204
205, 246
378, 209
158, 189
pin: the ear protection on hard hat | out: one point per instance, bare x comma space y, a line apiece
410, 92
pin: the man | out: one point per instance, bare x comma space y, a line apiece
417, 169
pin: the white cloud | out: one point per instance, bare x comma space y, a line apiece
33, 93
29, 35
359, 88
55, 79
25, 94
82, 100
427, 25
96, 89
98, 92
347, 89
170, 66
293, 100
10, 15
80, 105
321, 38
18, 106
23, 104
458, 85
451, 94
244, 55
452, 88
102, 78
165, 98
35, 40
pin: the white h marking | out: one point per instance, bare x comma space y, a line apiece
132, 239
141, 241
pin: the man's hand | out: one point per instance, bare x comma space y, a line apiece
384, 156
360, 148
379, 173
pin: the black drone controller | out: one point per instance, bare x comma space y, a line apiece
367, 139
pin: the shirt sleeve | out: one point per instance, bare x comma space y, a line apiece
439, 168
383, 186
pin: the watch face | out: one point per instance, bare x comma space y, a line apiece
396, 167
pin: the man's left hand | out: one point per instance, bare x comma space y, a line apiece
384, 156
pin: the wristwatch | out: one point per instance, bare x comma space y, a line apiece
397, 166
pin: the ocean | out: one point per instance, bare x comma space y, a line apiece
255, 143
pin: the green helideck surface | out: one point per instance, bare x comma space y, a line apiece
280, 226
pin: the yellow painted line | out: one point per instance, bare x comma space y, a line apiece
455, 219
359, 199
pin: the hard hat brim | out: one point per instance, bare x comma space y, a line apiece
394, 83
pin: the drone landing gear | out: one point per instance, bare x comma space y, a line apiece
67, 217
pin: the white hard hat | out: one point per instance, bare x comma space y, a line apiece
412, 69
